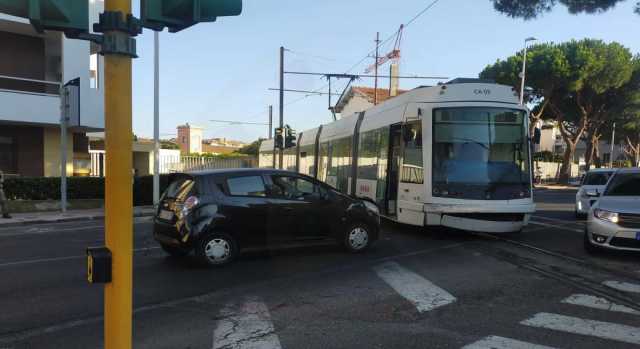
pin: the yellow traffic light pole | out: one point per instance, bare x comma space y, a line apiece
118, 299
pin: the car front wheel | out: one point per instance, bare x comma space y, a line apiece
357, 238
216, 249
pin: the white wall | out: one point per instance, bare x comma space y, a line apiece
355, 105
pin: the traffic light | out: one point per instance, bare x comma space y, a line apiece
279, 138
181, 14
69, 16
290, 138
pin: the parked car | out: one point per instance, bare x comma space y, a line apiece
593, 182
218, 213
614, 219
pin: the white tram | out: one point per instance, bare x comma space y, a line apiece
455, 155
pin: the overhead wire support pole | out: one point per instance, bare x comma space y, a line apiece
281, 150
270, 135
375, 84
156, 118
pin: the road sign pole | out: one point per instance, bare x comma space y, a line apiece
281, 150
118, 191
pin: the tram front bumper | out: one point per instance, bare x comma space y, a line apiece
490, 218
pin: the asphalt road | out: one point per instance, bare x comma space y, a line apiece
415, 288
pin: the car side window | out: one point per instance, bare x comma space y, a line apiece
293, 187
247, 186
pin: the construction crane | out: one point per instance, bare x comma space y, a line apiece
393, 56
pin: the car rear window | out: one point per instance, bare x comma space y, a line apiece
596, 178
179, 188
624, 184
246, 186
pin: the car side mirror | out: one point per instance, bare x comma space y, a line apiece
592, 193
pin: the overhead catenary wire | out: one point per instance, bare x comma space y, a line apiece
367, 56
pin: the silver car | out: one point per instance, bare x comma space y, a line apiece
614, 219
593, 182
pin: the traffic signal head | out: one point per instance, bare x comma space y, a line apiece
69, 16
180, 14
279, 138
290, 139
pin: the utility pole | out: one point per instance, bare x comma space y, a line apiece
64, 124
118, 298
270, 135
613, 142
375, 84
156, 118
281, 150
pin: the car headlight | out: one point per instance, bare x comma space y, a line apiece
371, 206
606, 215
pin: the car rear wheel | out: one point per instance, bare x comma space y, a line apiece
589, 246
216, 249
174, 251
357, 238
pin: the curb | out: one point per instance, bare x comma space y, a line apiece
68, 219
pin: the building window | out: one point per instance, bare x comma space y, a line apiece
8, 154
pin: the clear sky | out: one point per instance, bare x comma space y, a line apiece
222, 70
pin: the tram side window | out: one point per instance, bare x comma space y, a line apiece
307, 159
373, 159
340, 168
412, 168
323, 161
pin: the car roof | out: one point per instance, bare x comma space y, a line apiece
629, 170
596, 170
238, 171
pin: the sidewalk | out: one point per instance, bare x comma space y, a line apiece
70, 216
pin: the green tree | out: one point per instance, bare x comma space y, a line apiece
547, 71
578, 84
165, 144
530, 9
251, 149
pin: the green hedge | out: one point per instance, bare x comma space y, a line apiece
48, 188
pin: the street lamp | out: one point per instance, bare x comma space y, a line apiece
524, 68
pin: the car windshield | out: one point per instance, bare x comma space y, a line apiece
624, 184
596, 178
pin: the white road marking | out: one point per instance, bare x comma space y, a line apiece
250, 327
421, 292
623, 286
556, 226
601, 329
495, 342
59, 259
598, 303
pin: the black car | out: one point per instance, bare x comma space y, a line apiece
218, 213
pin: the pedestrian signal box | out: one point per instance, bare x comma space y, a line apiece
98, 265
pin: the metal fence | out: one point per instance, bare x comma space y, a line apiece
195, 163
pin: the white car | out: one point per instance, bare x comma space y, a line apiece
614, 219
592, 183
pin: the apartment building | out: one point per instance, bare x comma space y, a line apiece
33, 67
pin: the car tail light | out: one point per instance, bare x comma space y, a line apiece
189, 204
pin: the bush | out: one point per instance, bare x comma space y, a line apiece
48, 188
546, 156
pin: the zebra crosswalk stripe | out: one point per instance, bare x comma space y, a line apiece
598, 303
623, 286
600, 329
424, 294
496, 342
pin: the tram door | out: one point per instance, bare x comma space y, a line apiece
393, 169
